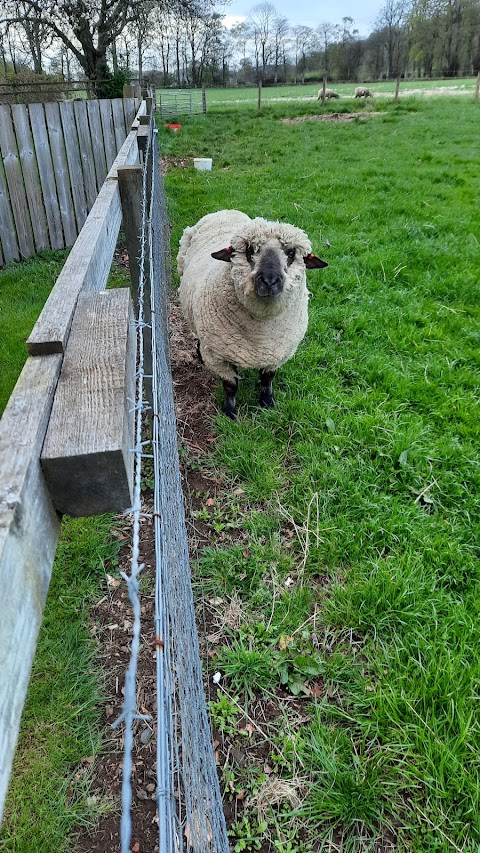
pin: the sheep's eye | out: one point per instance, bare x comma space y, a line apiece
249, 253
291, 256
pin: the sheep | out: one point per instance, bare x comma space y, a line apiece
252, 313
329, 93
362, 92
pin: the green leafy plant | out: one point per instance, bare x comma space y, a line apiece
249, 833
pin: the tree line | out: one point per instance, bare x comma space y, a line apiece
185, 43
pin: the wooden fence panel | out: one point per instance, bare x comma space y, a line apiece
30, 175
47, 175
74, 163
96, 133
54, 160
16, 187
108, 131
119, 123
8, 238
62, 175
86, 151
88, 264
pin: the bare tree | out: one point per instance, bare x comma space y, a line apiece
280, 34
303, 42
262, 23
391, 22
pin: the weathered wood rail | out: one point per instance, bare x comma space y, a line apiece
97, 446
54, 160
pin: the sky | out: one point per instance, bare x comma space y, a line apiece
311, 13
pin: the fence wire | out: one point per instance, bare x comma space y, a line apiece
189, 803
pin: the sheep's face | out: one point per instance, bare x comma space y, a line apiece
268, 263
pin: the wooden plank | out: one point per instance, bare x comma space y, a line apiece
118, 122
86, 152
88, 264
130, 182
72, 148
108, 131
29, 529
30, 175
62, 175
8, 237
140, 112
47, 175
129, 112
16, 187
87, 457
96, 133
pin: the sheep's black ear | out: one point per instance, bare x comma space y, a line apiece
313, 263
224, 254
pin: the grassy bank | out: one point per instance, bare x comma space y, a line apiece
356, 573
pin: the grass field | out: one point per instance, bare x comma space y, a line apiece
222, 99
357, 497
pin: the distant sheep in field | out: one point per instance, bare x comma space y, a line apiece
251, 312
329, 93
362, 92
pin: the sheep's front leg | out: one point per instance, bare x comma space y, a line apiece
266, 389
229, 407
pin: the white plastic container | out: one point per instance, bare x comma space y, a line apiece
203, 164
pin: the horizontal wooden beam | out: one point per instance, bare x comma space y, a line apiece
29, 530
87, 457
88, 264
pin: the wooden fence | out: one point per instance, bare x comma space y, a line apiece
54, 160
82, 349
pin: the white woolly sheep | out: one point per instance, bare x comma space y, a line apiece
329, 93
253, 312
362, 92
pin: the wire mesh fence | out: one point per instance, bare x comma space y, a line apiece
189, 804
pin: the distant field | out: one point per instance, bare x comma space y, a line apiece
243, 96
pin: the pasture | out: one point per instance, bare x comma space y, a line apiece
235, 98
344, 523
353, 567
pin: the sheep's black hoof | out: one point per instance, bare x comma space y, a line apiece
229, 407
199, 354
267, 401
230, 411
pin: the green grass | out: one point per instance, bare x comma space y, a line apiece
235, 98
372, 446
48, 795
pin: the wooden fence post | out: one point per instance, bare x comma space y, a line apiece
260, 94
324, 87
477, 89
204, 100
397, 87
86, 458
130, 186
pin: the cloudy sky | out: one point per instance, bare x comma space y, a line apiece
311, 13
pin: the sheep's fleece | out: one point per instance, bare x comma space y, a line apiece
234, 326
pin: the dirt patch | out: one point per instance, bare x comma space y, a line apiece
168, 163
335, 117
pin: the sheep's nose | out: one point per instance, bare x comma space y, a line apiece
268, 285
